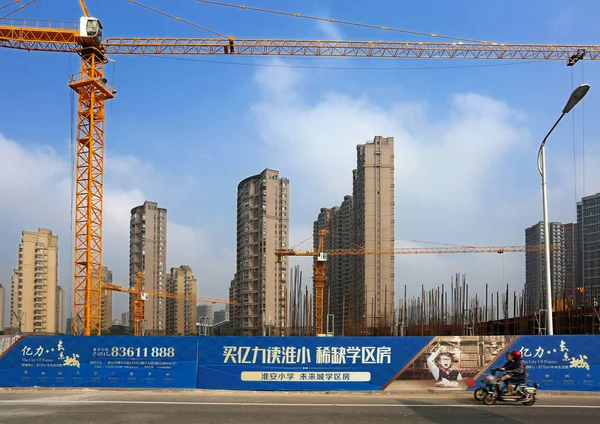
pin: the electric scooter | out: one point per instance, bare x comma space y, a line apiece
522, 393
488, 383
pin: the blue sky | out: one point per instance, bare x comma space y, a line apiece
184, 131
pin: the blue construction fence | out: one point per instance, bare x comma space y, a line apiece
295, 363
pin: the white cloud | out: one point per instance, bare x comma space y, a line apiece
35, 187
443, 167
330, 30
276, 82
189, 243
323, 136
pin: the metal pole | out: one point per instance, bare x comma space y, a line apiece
542, 169
549, 318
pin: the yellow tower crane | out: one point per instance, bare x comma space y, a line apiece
140, 296
321, 254
85, 38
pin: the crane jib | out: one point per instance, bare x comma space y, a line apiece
67, 37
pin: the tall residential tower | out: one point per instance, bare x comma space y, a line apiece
2, 305
359, 292
205, 314
60, 310
260, 283
148, 255
342, 289
373, 193
588, 252
34, 282
181, 313
535, 265
106, 319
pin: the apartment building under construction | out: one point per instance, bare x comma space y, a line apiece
359, 294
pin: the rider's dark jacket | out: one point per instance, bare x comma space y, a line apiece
519, 370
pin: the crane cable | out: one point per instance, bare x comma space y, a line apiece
8, 4
17, 9
583, 134
317, 18
301, 243
576, 200
345, 240
582, 139
175, 18
574, 143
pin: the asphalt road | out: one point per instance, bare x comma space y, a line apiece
110, 407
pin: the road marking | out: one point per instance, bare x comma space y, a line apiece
337, 405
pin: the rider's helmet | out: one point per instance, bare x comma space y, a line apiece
516, 354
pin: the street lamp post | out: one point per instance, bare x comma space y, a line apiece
575, 97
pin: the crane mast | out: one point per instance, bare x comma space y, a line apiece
92, 92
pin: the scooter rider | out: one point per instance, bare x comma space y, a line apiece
509, 365
518, 373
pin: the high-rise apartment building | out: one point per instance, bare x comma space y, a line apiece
206, 314
342, 287
106, 317
34, 282
125, 319
359, 293
260, 283
60, 310
373, 196
535, 265
221, 315
148, 255
569, 248
588, 229
181, 314
2, 305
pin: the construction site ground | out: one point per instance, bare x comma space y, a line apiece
65, 406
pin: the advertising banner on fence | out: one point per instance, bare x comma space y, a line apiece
559, 362
303, 363
295, 363
6, 342
451, 363
124, 362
